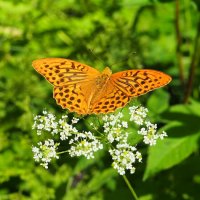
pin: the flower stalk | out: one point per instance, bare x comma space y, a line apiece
130, 187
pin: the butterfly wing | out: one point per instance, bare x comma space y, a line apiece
75, 85
122, 86
138, 82
60, 71
71, 97
109, 100
73, 81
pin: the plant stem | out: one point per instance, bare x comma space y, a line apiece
130, 187
179, 42
194, 63
61, 152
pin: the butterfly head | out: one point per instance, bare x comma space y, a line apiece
107, 71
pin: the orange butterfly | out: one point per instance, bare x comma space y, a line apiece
84, 90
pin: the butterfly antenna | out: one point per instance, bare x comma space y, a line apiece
124, 60
92, 51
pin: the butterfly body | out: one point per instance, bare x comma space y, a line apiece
84, 90
102, 79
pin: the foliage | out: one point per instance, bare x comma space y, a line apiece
145, 33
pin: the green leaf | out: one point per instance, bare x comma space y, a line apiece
101, 178
183, 109
184, 130
170, 152
158, 101
84, 163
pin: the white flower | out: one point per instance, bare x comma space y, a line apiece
162, 135
66, 130
114, 127
37, 154
84, 144
44, 112
45, 152
117, 134
124, 124
64, 116
75, 120
47, 123
138, 114
150, 133
138, 156
40, 126
124, 156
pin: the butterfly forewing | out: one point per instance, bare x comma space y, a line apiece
60, 71
124, 85
137, 82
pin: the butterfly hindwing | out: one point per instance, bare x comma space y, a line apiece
71, 97
111, 99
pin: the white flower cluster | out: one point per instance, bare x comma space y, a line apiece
45, 152
148, 130
138, 114
85, 143
82, 143
113, 125
150, 133
66, 130
45, 123
124, 157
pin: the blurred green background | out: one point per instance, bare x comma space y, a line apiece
124, 34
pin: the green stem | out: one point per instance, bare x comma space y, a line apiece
179, 42
130, 187
194, 64
61, 152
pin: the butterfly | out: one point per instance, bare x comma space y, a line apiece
84, 90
